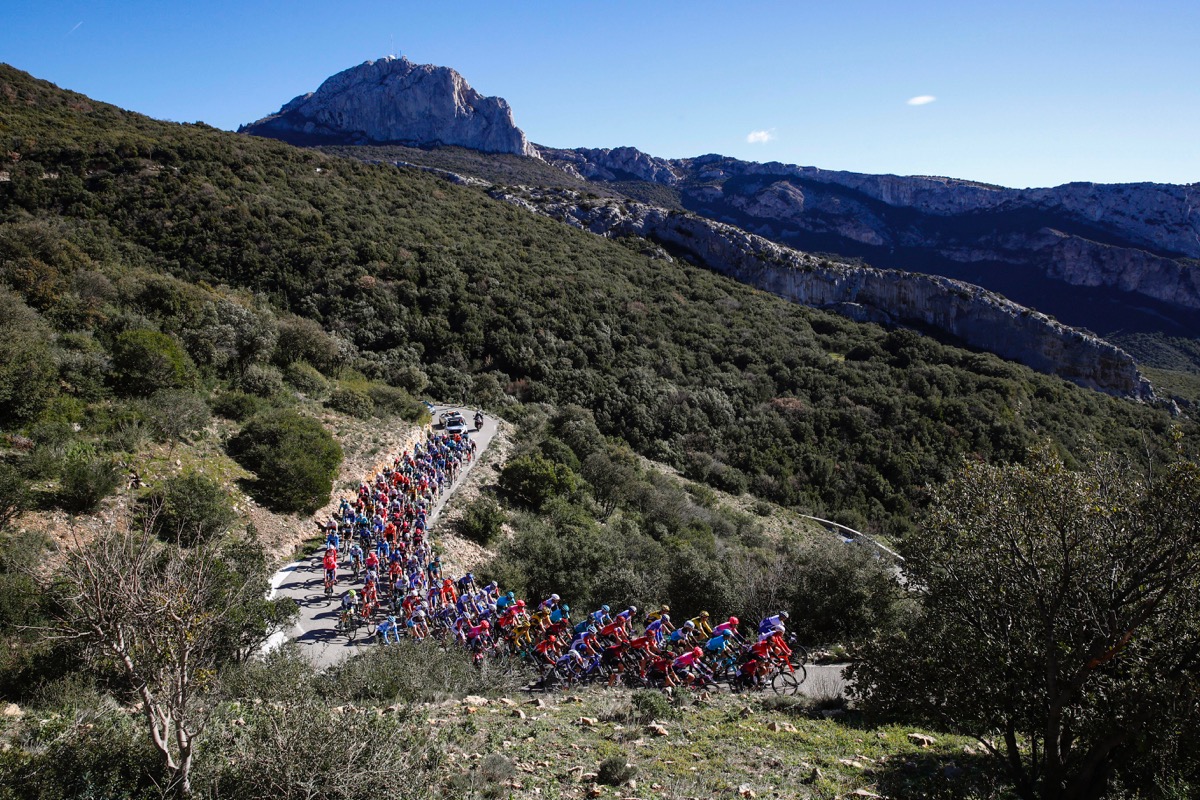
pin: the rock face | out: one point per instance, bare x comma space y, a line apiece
977, 317
1133, 241
393, 100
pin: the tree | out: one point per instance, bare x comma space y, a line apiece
191, 508
1060, 622
162, 616
294, 457
532, 480
146, 361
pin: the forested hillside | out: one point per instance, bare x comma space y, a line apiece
112, 223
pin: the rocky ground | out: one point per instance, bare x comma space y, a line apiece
622, 744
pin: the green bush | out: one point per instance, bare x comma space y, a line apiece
481, 521
305, 377
237, 405
615, 771
190, 508
85, 481
392, 400
531, 480
353, 400
649, 705
15, 496
294, 457
261, 381
28, 374
175, 414
145, 362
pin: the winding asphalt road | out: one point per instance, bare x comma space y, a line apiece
304, 580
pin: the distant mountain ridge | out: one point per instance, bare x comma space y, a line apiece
1136, 239
394, 100
1110, 258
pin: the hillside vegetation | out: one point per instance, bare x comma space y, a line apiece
112, 222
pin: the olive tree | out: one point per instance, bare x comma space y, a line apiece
1060, 623
166, 619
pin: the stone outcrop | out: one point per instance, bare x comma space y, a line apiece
393, 100
975, 316
1132, 238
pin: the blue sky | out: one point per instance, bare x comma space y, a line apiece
1024, 93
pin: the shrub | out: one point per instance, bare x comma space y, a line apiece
481, 521
614, 771
14, 494
531, 480
391, 400
303, 339
237, 406
649, 705
352, 400
294, 457
261, 381
190, 508
174, 414
145, 362
305, 377
86, 480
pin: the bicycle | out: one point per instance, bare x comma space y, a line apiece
329, 581
348, 623
787, 677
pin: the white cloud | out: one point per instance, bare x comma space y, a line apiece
921, 100
760, 137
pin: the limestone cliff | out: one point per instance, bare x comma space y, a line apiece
1136, 240
975, 316
395, 100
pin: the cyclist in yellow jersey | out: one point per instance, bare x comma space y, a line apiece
702, 625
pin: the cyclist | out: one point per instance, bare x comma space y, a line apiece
701, 624
681, 669
356, 557
768, 624
506, 600
600, 617
388, 628
651, 616
330, 562
730, 625
659, 627
563, 612
682, 635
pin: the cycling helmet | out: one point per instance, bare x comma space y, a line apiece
491, 606
704, 614
696, 651
778, 629
733, 621
353, 593
565, 608
392, 618
689, 624
520, 604
554, 597
511, 596
633, 610
485, 625
665, 609
604, 608
665, 617
727, 633
552, 638
420, 614
783, 615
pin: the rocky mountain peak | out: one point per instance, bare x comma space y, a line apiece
393, 100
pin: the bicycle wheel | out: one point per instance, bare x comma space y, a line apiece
371, 627
785, 683
799, 656
352, 629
